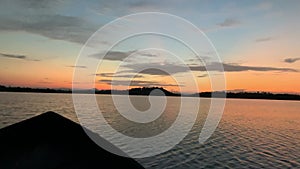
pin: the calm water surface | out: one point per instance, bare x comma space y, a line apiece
251, 134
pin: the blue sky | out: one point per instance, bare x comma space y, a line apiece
247, 34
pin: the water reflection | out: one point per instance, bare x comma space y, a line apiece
252, 133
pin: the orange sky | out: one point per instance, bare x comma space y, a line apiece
257, 43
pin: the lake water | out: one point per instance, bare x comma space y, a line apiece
251, 134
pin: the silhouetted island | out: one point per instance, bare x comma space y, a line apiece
148, 91
250, 95
51, 141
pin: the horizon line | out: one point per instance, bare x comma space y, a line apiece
176, 92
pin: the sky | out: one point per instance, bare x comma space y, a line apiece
256, 41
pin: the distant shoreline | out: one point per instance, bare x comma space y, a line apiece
147, 91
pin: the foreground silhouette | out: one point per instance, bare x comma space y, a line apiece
52, 141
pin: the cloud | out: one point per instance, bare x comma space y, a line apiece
216, 66
118, 75
229, 22
264, 39
154, 71
141, 83
201, 76
157, 68
113, 55
291, 60
77, 66
15, 56
147, 54
53, 26
104, 74
43, 4
121, 55
54, 20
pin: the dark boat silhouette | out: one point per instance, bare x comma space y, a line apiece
52, 141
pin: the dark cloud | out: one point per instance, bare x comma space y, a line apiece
264, 39
154, 71
118, 75
121, 55
291, 60
113, 55
141, 83
157, 68
215, 66
46, 18
77, 66
229, 22
13, 56
169, 68
104, 74
54, 26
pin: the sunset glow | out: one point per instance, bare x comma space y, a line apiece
256, 41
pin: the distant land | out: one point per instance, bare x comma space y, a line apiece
148, 91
